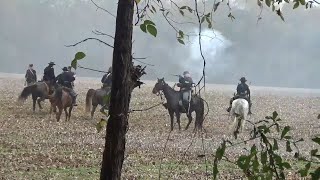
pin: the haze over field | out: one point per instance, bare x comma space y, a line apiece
272, 53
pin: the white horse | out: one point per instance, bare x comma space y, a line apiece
239, 114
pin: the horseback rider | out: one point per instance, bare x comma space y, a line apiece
31, 75
107, 79
243, 91
73, 74
65, 79
185, 84
48, 74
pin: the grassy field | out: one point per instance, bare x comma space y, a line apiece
33, 146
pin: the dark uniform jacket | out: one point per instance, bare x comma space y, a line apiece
48, 74
31, 76
65, 79
243, 89
185, 83
107, 79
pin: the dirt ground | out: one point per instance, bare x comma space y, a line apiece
33, 146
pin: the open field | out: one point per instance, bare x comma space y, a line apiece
33, 146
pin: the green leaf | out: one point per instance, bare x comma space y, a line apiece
274, 115
285, 130
152, 30
253, 150
296, 5
181, 34
287, 137
314, 152
181, 12
143, 28
268, 3
241, 161
275, 145
180, 41
202, 19
316, 174
74, 64
304, 172
255, 164
154, 9
215, 171
316, 140
286, 165
101, 125
288, 146
147, 22
264, 157
189, 9
280, 14
79, 55
220, 151
183, 7
302, 2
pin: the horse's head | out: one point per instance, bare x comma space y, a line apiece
158, 86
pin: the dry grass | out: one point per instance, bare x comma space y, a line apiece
33, 146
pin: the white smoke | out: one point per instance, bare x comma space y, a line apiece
213, 47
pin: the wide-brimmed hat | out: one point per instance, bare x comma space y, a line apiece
52, 63
243, 79
64, 69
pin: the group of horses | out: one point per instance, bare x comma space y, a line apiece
60, 99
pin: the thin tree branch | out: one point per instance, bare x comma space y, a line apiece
98, 7
89, 39
96, 32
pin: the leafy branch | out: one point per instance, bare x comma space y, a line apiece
263, 160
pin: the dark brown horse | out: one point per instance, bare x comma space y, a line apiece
61, 99
39, 92
97, 97
172, 96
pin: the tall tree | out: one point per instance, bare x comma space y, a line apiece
122, 86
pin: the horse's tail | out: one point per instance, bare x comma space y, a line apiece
200, 114
89, 95
57, 94
27, 91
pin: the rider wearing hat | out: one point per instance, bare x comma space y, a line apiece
107, 79
48, 74
243, 91
185, 84
65, 79
31, 75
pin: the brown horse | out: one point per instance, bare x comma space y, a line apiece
97, 97
39, 92
61, 99
172, 96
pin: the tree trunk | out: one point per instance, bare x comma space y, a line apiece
122, 86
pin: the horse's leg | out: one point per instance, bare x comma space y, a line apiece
39, 100
34, 104
178, 119
70, 109
93, 110
171, 113
58, 115
190, 120
66, 113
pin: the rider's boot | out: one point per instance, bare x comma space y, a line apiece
250, 104
74, 101
230, 104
